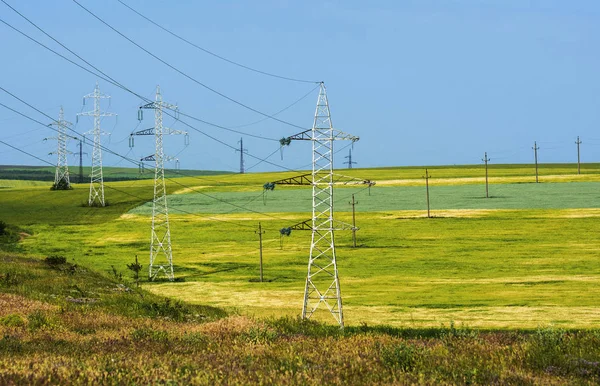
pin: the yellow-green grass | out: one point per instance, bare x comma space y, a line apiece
483, 268
6, 184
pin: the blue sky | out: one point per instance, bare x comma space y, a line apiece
421, 82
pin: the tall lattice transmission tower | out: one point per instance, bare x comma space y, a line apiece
61, 176
161, 254
242, 152
96, 197
322, 286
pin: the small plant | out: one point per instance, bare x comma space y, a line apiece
116, 274
135, 268
3, 226
37, 320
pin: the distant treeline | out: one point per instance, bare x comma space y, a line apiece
30, 173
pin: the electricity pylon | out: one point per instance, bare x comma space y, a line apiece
349, 156
61, 176
96, 197
242, 151
160, 238
322, 285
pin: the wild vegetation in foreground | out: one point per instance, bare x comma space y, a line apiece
62, 324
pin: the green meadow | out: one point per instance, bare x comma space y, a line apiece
525, 257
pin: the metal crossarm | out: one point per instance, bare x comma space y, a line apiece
303, 179
307, 135
306, 179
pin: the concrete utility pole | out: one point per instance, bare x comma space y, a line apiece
578, 142
260, 233
535, 149
427, 177
486, 160
353, 203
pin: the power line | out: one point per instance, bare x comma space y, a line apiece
131, 194
212, 53
136, 163
185, 74
110, 80
118, 84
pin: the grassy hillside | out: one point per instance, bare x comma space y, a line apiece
63, 324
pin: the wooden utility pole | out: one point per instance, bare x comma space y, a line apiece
486, 160
260, 233
578, 142
535, 149
427, 176
353, 203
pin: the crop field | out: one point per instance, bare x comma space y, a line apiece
526, 257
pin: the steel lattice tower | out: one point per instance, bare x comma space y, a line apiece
96, 196
322, 281
160, 244
61, 176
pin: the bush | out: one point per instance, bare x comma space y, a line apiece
12, 320
3, 226
55, 260
61, 185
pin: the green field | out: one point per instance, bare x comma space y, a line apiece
385, 198
526, 257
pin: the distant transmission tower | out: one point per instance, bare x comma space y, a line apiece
160, 243
61, 176
96, 197
349, 156
578, 142
242, 151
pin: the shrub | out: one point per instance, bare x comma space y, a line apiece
12, 320
55, 260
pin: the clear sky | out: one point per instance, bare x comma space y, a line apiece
422, 82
